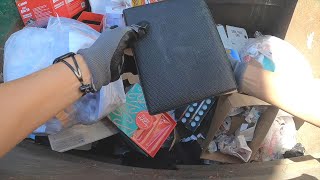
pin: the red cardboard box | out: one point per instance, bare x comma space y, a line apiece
37, 12
92, 19
146, 131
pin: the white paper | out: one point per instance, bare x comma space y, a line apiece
235, 146
244, 126
248, 133
237, 36
224, 38
253, 116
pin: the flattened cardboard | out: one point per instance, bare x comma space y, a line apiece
262, 129
220, 157
79, 135
225, 104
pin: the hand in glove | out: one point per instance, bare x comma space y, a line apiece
105, 57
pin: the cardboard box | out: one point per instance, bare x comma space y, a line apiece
80, 135
225, 104
37, 12
146, 131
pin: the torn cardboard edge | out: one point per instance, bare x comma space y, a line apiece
133, 79
225, 104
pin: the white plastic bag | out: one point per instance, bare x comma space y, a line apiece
33, 49
280, 138
27, 51
276, 55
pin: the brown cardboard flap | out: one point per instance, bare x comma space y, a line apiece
236, 123
218, 156
176, 139
240, 100
223, 108
263, 126
133, 79
225, 104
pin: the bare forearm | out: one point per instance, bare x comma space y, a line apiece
300, 97
29, 102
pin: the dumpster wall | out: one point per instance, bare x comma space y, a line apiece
267, 16
304, 32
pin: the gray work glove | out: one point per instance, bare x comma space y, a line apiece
105, 57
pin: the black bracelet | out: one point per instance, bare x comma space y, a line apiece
84, 88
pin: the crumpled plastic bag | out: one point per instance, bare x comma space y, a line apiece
32, 49
276, 55
280, 138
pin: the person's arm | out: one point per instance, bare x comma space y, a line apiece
29, 102
299, 97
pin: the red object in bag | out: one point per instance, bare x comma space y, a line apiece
92, 19
37, 12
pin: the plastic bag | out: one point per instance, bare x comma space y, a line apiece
110, 98
36, 52
280, 138
77, 34
27, 51
276, 55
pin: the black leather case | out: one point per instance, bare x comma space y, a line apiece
182, 59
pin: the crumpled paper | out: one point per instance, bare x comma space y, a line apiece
235, 146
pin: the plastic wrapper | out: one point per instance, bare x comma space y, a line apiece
252, 115
38, 47
212, 147
276, 55
280, 138
110, 98
296, 151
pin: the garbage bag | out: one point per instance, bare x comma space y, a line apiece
27, 51
276, 55
38, 47
280, 138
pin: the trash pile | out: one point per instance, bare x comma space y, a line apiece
231, 128
235, 143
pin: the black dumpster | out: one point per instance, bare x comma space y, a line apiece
32, 161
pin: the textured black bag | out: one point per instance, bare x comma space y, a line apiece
182, 59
